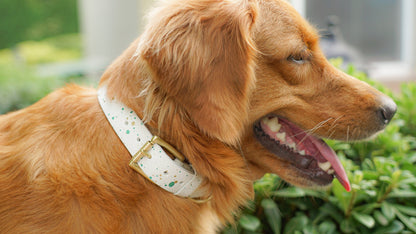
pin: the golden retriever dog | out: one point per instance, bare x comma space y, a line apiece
238, 87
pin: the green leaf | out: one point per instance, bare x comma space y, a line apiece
407, 221
296, 224
396, 176
380, 218
358, 177
411, 180
230, 230
395, 227
367, 208
402, 194
332, 211
370, 193
347, 226
272, 214
327, 227
406, 209
249, 222
388, 211
385, 179
364, 219
371, 175
340, 193
315, 193
289, 192
309, 229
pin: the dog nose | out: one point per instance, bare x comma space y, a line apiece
387, 110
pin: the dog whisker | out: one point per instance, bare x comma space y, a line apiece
332, 133
334, 125
314, 129
348, 132
241, 152
354, 131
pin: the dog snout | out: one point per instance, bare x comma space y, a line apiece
386, 110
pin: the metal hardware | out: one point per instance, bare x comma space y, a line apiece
144, 152
171, 149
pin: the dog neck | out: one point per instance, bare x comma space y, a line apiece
148, 156
130, 80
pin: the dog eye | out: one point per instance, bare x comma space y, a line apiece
298, 59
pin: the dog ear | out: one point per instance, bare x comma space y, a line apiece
201, 55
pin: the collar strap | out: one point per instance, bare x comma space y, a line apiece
148, 156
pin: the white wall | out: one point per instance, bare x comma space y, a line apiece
144, 7
108, 27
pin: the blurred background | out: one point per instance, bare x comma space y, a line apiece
75, 40
378, 36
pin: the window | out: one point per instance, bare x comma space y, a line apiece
383, 31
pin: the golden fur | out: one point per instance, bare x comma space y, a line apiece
201, 74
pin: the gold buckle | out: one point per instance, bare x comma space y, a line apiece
144, 152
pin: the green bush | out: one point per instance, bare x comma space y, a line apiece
22, 20
20, 85
382, 175
56, 49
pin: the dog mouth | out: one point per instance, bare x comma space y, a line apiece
310, 155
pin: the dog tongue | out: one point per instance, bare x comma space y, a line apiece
330, 155
308, 143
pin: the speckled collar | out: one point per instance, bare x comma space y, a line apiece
149, 158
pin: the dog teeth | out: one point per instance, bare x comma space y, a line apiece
330, 171
272, 123
324, 166
281, 136
302, 152
293, 146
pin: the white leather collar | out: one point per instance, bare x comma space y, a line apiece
172, 175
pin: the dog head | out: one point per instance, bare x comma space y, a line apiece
299, 98
251, 73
